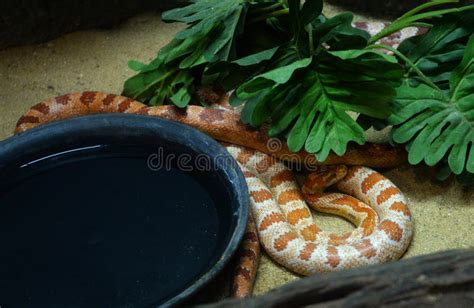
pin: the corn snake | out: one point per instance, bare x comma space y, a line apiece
284, 223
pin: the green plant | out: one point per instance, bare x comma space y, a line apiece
302, 72
210, 38
436, 120
434, 106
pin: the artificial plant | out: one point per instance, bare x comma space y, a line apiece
301, 72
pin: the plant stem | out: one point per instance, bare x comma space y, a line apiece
161, 79
424, 7
267, 8
409, 21
309, 28
407, 61
273, 14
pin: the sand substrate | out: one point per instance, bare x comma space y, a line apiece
97, 60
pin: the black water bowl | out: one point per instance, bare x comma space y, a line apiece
115, 211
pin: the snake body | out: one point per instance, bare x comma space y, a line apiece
280, 219
283, 222
223, 125
392, 40
286, 228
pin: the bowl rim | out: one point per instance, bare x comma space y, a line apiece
123, 126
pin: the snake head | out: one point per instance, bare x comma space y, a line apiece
326, 176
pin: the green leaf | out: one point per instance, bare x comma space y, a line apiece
286, 110
440, 50
136, 66
221, 46
257, 57
154, 101
283, 74
310, 11
276, 76
200, 11
181, 98
423, 7
333, 131
295, 17
195, 58
413, 18
462, 71
156, 87
308, 109
360, 79
439, 124
235, 101
338, 33
209, 38
256, 110
216, 19
183, 48
232, 74
309, 100
357, 54
333, 128
142, 85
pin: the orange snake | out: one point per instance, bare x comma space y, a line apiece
285, 227
284, 223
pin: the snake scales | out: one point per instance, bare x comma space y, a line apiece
284, 223
281, 220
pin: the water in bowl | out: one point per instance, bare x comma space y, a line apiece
97, 227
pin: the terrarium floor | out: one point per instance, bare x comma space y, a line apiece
97, 60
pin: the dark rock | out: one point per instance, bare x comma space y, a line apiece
442, 279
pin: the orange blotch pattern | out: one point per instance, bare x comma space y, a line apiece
87, 98
63, 99
41, 107
333, 256
109, 99
307, 251
245, 155
270, 220
281, 177
365, 248
336, 240
392, 229
298, 214
401, 207
282, 242
310, 232
249, 174
370, 181
124, 105
27, 119
264, 164
368, 224
351, 173
387, 193
289, 195
261, 195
